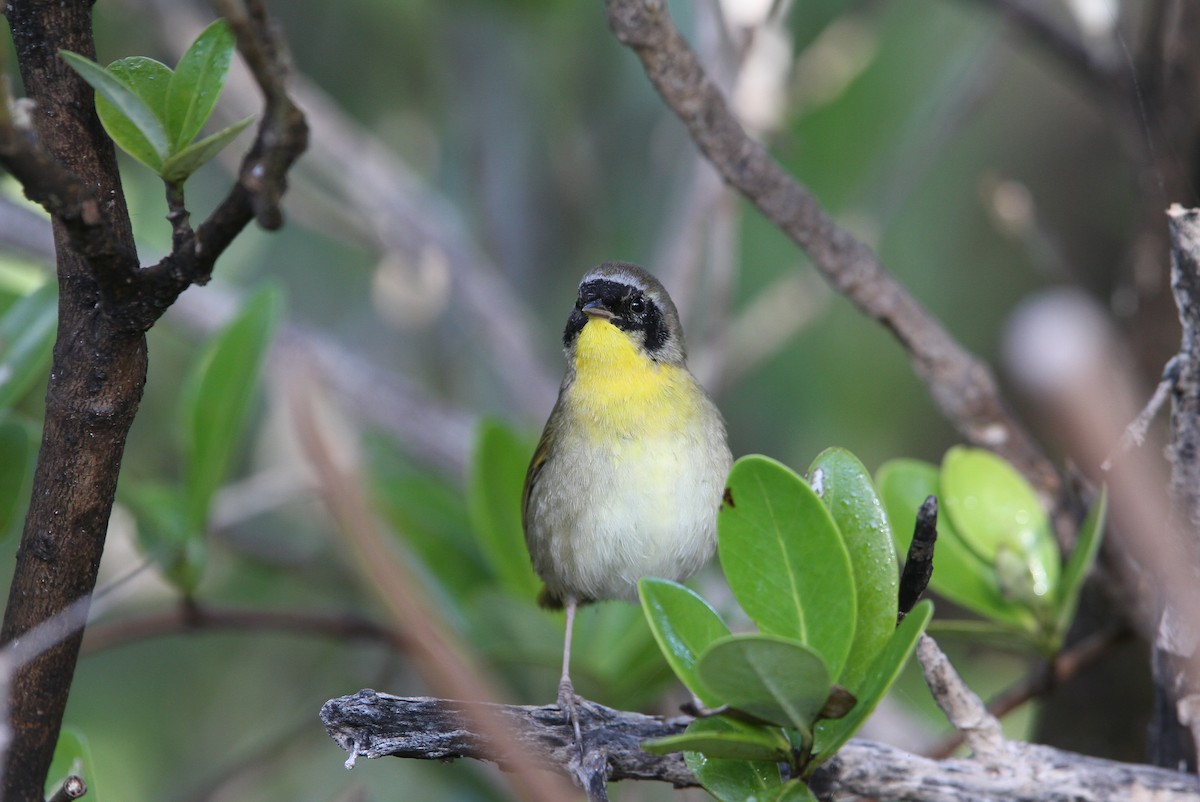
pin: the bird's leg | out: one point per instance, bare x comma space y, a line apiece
567, 699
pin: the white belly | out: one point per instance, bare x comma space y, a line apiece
651, 511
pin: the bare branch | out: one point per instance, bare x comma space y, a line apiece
370, 724
962, 386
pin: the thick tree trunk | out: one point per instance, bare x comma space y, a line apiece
95, 385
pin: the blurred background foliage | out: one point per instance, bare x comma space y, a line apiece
471, 159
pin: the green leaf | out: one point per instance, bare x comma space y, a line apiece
494, 489
994, 509
832, 734
684, 625
73, 755
26, 342
772, 678
197, 83
216, 400
181, 165
17, 448
959, 574
844, 485
785, 559
130, 122
146, 78
727, 738
166, 535
1091, 532
735, 780
794, 791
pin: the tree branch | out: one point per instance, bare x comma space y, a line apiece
961, 385
369, 724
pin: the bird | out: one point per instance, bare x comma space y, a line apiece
628, 476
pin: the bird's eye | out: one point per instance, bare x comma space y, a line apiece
637, 305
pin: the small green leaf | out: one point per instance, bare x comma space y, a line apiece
832, 734
727, 738
132, 124
844, 485
147, 78
1091, 532
17, 447
959, 574
165, 534
993, 509
684, 626
494, 502
185, 162
734, 780
785, 559
216, 400
26, 342
197, 83
73, 756
772, 678
794, 791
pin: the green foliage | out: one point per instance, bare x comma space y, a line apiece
17, 447
845, 486
154, 113
73, 756
774, 530
814, 569
494, 500
214, 407
26, 342
995, 554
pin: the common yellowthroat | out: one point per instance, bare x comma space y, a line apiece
628, 475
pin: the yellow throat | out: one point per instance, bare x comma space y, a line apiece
620, 391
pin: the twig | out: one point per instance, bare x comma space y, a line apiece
369, 724
192, 617
1135, 433
964, 710
72, 788
1039, 681
961, 385
918, 566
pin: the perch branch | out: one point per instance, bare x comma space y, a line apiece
961, 385
369, 724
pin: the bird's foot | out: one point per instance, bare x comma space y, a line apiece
568, 703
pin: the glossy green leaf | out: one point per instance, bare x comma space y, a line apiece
831, 734
772, 678
147, 78
26, 342
494, 488
166, 535
197, 83
16, 448
994, 509
959, 575
1087, 545
794, 791
182, 164
130, 122
73, 756
785, 559
684, 625
735, 780
216, 400
724, 737
845, 486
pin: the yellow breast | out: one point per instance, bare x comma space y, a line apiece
620, 392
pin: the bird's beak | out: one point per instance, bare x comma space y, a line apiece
596, 309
